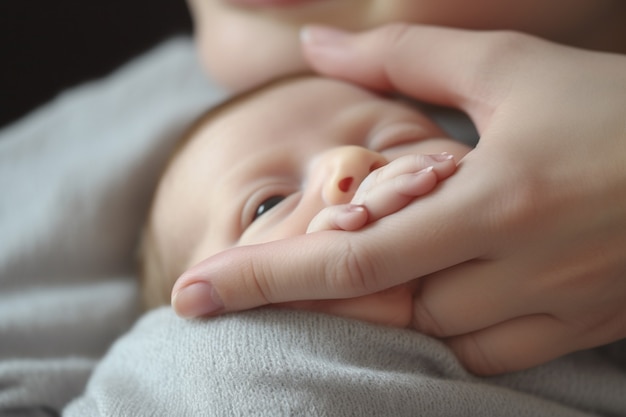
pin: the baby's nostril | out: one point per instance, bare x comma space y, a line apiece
345, 183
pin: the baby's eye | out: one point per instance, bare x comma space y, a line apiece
267, 205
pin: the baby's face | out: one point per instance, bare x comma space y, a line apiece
263, 169
245, 42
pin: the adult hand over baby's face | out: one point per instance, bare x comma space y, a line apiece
521, 255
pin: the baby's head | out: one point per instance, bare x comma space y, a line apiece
246, 42
261, 166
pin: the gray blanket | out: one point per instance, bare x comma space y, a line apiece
75, 182
287, 363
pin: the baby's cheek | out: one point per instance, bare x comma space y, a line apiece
392, 307
224, 45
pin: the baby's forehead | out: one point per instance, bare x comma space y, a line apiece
291, 89
246, 96
294, 107
203, 127
299, 109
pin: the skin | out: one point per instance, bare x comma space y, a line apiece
545, 185
333, 131
233, 39
537, 271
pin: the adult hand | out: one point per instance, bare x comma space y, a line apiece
521, 253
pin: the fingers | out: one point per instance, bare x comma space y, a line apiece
473, 295
463, 69
385, 191
346, 217
384, 200
391, 307
334, 264
513, 345
393, 186
443, 165
378, 201
337, 264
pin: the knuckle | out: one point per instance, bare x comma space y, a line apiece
602, 328
394, 39
499, 50
505, 42
423, 318
518, 205
258, 282
475, 357
353, 271
420, 161
498, 57
321, 221
378, 177
395, 33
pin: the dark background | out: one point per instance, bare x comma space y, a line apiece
47, 46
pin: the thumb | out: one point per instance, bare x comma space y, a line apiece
449, 67
250, 276
334, 264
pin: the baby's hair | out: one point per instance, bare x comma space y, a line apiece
155, 279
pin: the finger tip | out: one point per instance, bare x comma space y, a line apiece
353, 217
196, 299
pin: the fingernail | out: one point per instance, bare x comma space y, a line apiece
322, 36
425, 170
353, 217
352, 209
441, 157
355, 208
197, 299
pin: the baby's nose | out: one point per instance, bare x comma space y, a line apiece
347, 167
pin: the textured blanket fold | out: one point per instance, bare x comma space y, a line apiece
285, 363
76, 177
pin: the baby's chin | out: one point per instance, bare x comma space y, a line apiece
236, 74
392, 307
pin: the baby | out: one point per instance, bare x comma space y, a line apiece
298, 155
